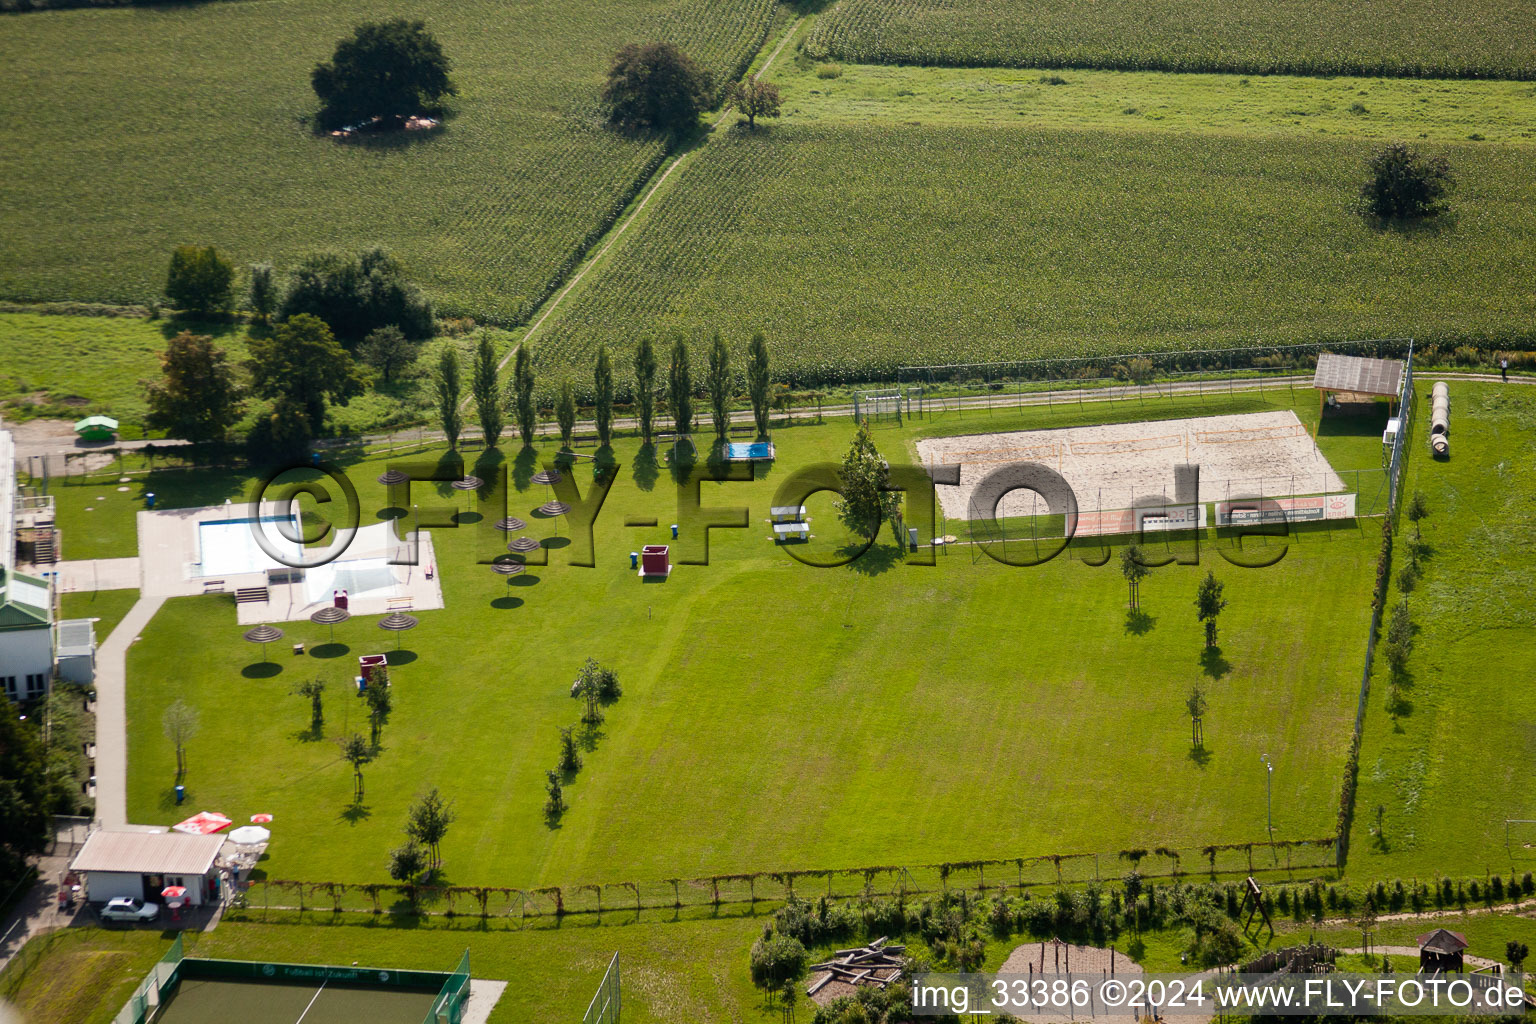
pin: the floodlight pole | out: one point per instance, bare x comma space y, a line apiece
1269, 776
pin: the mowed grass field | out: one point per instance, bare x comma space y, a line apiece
1476, 39
1451, 769
775, 715
137, 130
859, 248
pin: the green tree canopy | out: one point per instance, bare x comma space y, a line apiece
197, 397
523, 406
758, 381
356, 295
719, 380
602, 387
1403, 184
389, 351
446, 387
485, 386
199, 279
301, 364
656, 86
866, 503
389, 69
645, 388
24, 814
680, 387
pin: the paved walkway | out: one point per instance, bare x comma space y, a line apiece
97, 574
112, 713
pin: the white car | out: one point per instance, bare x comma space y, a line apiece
129, 908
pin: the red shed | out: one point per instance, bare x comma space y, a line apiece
655, 560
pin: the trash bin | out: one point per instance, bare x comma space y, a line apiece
181, 793
634, 559
149, 499
674, 531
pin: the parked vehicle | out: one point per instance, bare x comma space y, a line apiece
129, 908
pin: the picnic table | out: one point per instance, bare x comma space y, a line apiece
785, 531
787, 513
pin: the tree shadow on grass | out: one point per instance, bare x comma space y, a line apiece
523, 467
314, 734
329, 650
1200, 755
355, 812
591, 734
261, 670
1138, 622
1213, 664
645, 469
878, 558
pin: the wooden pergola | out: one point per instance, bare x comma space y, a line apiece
1356, 377
1441, 950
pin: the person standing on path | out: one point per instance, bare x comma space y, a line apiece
1504, 369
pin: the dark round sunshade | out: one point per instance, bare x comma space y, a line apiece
263, 634
554, 508
469, 483
546, 477
329, 616
507, 568
393, 476
397, 623
523, 544
511, 524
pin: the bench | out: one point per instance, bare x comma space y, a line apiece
787, 513
787, 531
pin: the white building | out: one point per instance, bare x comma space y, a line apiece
26, 607
142, 864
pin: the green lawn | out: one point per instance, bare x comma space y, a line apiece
1449, 771
776, 715
195, 128
106, 606
1478, 39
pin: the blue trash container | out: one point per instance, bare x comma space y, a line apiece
674, 531
181, 793
149, 499
634, 559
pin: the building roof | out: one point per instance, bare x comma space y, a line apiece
148, 853
77, 639
24, 602
1358, 374
1443, 941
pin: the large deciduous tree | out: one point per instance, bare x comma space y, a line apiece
389, 351
199, 279
356, 295
755, 99
261, 292
197, 397
1403, 184
302, 366
565, 412
25, 822
656, 86
864, 476
390, 69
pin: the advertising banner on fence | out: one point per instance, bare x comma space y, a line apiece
1290, 510
1152, 518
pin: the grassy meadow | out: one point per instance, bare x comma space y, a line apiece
775, 715
207, 139
1476, 39
1447, 769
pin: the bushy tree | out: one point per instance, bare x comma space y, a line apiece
602, 389
1403, 184
645, 388
555, 804
755, 99
486, 389
865, 503
570, 758
758, 381
588, 689
446, 388
565, 411
197, 397
389, 69
1399, 643
656, 86
261, 293
776, 957
25, 822
719, 385
406, 862
389, 351
356, 295
428, 823
680, 387
1209, 604
199, 279
523, 406
301, 364
1515, 952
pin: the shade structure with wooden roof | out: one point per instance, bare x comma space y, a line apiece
329, 616
511, 524
263, 634
1357, 376
397, 623
523, 545
1441, 950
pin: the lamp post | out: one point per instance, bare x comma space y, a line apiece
1269, 776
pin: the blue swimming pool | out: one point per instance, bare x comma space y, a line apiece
749, 451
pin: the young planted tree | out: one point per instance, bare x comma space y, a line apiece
261, 292
197, 397
447, 386
199, 279
313, 690
554, 806
1515, 952
486, 389
301, 364
758, 381
1405, 185
523, 406
380, 703
755, 99
391, 68
602, 389
1196, 706
719, 385
645, 388
680, 388
1134, 571
656, 86
179, 721
589, 689
570, 758
406, 862
357, 752
565, 412
389, 351
1418, 511
1209, 604
1399, 644
864, 476
428, 823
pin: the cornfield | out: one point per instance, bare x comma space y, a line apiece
1472, 39
115, 164
857, 250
